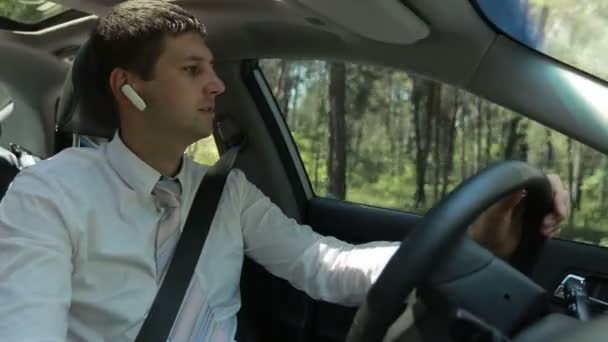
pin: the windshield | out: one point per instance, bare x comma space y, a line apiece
572, 31
29, 11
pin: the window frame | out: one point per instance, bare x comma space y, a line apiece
266, 103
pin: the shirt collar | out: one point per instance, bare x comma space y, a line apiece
138, 175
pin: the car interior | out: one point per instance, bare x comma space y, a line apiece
466, 293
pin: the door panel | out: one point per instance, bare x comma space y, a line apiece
560, 258
356, 224
280, 312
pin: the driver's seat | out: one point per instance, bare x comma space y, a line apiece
84, 107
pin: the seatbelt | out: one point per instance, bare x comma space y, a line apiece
163, 313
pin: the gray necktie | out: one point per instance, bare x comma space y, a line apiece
167, 193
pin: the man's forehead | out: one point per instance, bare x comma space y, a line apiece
187, 46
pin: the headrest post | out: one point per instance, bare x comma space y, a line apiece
75, 140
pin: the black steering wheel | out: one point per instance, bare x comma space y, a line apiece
439, 238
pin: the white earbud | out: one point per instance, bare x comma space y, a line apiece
133, 96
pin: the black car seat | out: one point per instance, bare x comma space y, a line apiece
84, 106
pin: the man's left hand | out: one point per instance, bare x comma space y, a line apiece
499, 227
561, 198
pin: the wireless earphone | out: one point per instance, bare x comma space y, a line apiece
133, 96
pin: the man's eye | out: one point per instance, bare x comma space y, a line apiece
192, 70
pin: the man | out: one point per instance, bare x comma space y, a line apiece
85, 237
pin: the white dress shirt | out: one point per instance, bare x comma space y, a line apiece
77, 250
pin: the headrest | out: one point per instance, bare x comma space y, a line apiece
84, 106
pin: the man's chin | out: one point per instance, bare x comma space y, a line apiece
203, 133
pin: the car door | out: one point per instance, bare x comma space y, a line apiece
379, 147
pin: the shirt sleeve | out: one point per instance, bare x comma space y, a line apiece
324, 267
35, 262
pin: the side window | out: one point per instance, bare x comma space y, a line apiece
204, 151
6, 103
381, 137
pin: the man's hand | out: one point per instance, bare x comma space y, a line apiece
499, 227
561, 198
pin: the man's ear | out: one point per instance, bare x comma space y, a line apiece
123, 86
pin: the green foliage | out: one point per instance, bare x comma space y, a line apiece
382, 145
575, 32
29, 11
204, 151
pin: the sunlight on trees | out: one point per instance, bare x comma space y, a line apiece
409, 141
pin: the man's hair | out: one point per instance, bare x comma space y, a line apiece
132, 35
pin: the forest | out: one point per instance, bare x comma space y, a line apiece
383, 137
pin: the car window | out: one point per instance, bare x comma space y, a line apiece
575, 32
204, 151
6, 103
381, 137
5, 98
29, 11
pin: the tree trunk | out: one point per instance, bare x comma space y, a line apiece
478, 164
512, 138
421, 97
292, 102
542, 26
448, 165
488, 152
316, 166
439, 128
463, 145
578, 176
283, 91
337, 131
549, 153
570, 182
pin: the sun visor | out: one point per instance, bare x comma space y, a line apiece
387, 21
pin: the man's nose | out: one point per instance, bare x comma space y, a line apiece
215, 86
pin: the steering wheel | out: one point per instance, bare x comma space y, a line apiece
439, 238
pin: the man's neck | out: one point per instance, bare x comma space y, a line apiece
160, 154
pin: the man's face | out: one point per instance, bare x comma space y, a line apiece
180, 97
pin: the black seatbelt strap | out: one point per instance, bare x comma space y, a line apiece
170, 296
